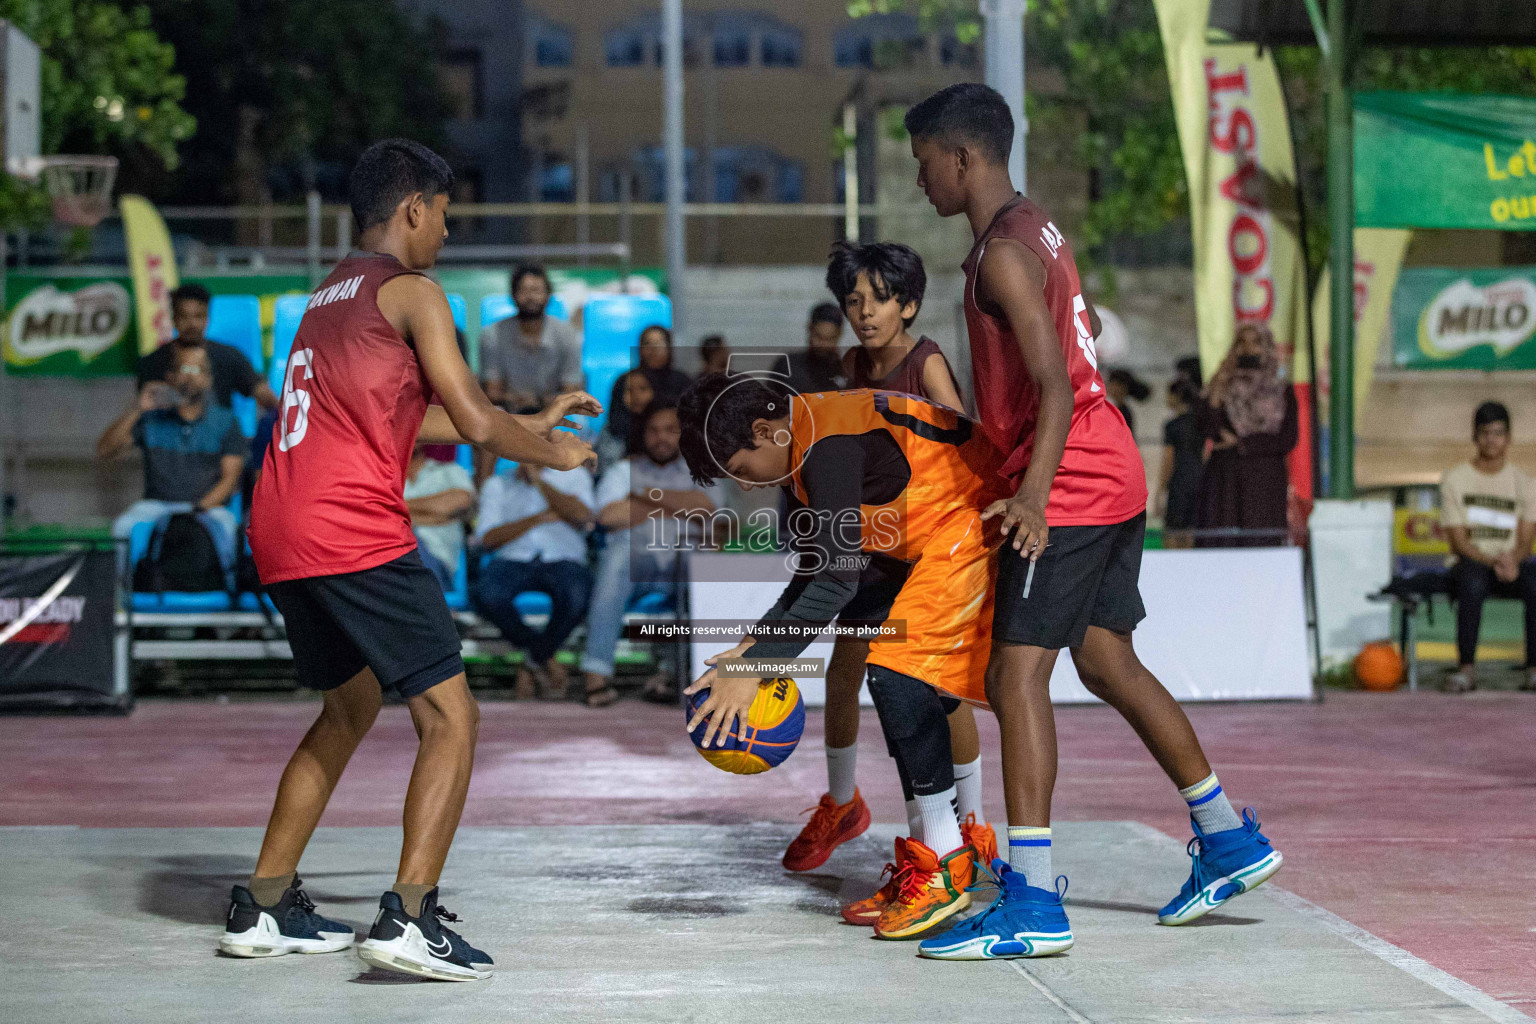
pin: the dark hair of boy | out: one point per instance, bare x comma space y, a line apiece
1135, 387
1489, 412
523, 270
392, 170
712, 343
727, 406
895, 271
190, 292
826, 313
965, 114
1186, 393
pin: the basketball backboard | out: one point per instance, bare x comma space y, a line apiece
20, 101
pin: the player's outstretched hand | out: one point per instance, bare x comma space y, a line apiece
1026, 520
571, 403
728, 702
570, 451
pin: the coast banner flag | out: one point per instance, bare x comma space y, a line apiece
153, 263
1378, 260
1236, 139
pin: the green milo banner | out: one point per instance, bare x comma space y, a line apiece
83, 326
1464, 319
1445, 160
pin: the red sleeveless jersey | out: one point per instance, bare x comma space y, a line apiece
331, 497
1101, 479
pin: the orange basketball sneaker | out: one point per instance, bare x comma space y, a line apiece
867, 911
979, 836
830, 826
930, 891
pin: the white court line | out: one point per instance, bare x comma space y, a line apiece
1461, 991
1045, 990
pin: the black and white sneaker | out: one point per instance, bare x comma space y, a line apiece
423, 945
288, 926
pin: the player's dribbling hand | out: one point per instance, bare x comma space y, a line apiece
728, 702
571, 403
1026, 520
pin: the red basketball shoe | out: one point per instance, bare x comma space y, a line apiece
830, 826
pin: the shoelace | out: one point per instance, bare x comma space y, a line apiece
822, 822
442, 914
1061, 894
1196, 849
910, 881
301, 898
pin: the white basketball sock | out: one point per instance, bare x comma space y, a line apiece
968, 790
941, 831
840, 772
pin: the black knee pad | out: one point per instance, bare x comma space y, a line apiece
916, 726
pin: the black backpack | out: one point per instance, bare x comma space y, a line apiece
181, 557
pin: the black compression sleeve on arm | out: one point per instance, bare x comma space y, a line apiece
833, 476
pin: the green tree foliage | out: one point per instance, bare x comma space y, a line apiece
295, 84
1108, 55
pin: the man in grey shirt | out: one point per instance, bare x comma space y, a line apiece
527, 359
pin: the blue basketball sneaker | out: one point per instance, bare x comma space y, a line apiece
1021, 921
425, 945
291, 925
1226, 864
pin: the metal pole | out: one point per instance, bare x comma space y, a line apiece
343, 232
312, 241
851, 172
5, 398
1341, 226
583, 186
672, 133
626, 225
1003, 37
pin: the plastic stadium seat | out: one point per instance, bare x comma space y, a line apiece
499, 307
652, 603
287, 313
611, 326
532, 602
458, 597
236, 320
460, 310
170, 600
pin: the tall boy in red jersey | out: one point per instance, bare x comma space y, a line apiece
1068, 575
332, 539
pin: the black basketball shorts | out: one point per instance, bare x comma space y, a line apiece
1087, 576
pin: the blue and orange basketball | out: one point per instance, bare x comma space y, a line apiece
773, 727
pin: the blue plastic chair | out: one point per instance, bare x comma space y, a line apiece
458, 596
236, 320
287, 313
611, 326
170, 600
460, 310
499, 307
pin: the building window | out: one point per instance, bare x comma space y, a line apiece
954, 53
467, 185
557, 180
749, 174
878, 41
733, 46
460, 77
624, 47
554, 46
781, 48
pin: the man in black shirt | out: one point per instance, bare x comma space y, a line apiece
820, 366
232, 372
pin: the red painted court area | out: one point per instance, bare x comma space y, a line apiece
1412, 816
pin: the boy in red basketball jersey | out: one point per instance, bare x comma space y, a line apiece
333, 543
1068, 575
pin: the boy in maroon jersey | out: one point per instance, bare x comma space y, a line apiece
332, 539
1068, 578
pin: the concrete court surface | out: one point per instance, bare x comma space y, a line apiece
661, 923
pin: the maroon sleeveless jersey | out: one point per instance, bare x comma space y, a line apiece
331, 497
1101, 479
907, 377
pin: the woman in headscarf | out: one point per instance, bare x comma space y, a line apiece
1249, 416
667, 385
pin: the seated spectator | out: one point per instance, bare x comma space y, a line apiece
634, 393
440, 497
653, 483
231, 372
533, 523
715, 354
193, 452
1249, 413
1488, 511
655, 362
527, 359
819, 366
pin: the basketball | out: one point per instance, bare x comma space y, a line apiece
1378, 666
773, 727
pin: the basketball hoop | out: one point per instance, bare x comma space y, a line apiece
80, 188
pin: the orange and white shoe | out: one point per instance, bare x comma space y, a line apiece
830, 826
867, 911
931, 891
979, 836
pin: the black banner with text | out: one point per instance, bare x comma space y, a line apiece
57, 628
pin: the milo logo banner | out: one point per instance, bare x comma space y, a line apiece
77, 327
1465, 319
